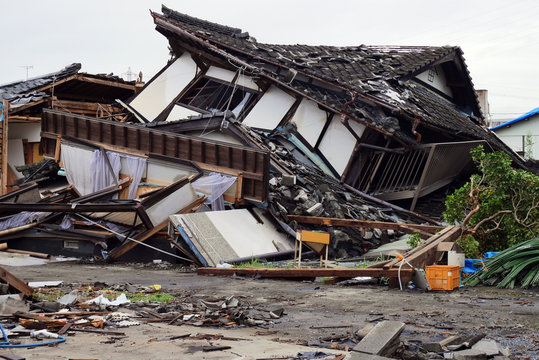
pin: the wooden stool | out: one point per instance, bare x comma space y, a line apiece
312, 238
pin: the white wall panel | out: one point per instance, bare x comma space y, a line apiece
15, 155
270, 109
228, 76
218, 73
179, 112
337, 144
153, 99
309, 120
29, 131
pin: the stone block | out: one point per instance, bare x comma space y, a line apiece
381, 339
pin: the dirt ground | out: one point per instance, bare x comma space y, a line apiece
313, 310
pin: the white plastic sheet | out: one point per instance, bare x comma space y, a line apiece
214, 185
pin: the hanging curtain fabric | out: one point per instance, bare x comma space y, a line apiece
136, 167
214, 185
76, 162
102, 176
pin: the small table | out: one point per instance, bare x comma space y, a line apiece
311, 237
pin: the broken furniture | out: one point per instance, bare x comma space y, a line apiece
316, 240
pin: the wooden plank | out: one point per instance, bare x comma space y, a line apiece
314, 237
364, 224
70, 208
30, 253
24, 118
307, 273
15, 282
426, 254
432, 239
57, 150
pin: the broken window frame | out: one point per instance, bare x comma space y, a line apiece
225, 89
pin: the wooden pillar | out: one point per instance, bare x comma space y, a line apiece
3, 146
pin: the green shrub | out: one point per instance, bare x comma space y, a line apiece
414, 240
500, 203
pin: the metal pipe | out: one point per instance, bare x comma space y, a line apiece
394, 207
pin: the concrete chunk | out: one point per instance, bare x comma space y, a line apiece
360, 356
381, 339
489, 347
470, 354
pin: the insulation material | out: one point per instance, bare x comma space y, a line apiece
163, 89
76, 160
179, 112
270, 109
309, 120
338, 143
221, 236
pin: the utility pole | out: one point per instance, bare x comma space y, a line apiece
27, 67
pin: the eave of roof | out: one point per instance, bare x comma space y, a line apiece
522, 117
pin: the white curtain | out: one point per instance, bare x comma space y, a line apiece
214, 185
136, 167
76, 162
101, 174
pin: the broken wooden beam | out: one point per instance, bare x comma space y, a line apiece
408, 228
15, 282
406, 274
425, 253
69, 208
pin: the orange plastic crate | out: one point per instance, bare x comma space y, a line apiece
443, 277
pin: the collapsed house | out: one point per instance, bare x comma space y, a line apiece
68, 90
299, 131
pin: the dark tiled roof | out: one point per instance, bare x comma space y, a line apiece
18, 91
378, 73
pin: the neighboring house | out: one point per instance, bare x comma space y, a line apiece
521, 134
67, 90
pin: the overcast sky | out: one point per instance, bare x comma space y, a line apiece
500, 38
